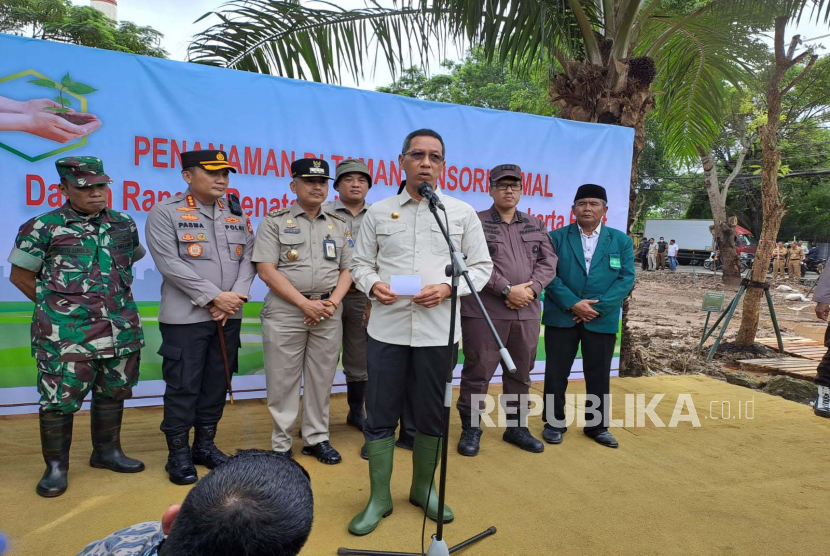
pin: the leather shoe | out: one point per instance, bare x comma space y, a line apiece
552, 436
603, 437
364, 453
324, 452
288, 454
521, 437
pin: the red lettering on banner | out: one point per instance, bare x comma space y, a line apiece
537, 185
253, 161
381, 175
284, 200
335, 159
163, 195
395, 174
285, 163
56, 198
527, 183
452, 181
461, 184
158, 151
233, 158
573, 218
32, 179
260, 201
547, 193
197, 146
247, 205
478, 179
176, 152
271, 164
131, 191
275, 204
370, 164
141, 148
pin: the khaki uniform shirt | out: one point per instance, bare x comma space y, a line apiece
399, 236
200, 252
795, 254
290, 229
521, 251
352, 221
779, 253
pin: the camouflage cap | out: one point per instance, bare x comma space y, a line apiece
82, 171
349, 166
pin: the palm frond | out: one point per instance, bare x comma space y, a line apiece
695, 66
323, 44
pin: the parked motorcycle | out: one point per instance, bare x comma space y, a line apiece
714, 261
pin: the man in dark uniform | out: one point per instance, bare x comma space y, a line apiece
353, 182
202, 247
594, 275
523, 264
75, 263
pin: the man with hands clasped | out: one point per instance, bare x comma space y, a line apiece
523, 264
594, 275
303, 254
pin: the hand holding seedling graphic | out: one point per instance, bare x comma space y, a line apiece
55, 120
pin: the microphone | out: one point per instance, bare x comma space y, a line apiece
425, 190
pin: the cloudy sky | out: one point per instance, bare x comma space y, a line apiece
175, 21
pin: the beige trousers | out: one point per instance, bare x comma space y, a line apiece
298, 356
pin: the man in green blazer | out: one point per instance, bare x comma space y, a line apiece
595, 274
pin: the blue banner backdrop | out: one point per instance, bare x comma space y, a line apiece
138, 113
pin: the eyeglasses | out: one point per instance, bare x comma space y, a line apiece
515, 186
418, 156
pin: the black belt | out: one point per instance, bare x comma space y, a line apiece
317, 296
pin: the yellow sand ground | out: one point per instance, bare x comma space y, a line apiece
731, 486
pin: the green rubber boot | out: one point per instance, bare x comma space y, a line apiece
425, 459
381, 454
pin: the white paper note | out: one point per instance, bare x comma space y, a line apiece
405, 284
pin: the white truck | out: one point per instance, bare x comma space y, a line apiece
695, 238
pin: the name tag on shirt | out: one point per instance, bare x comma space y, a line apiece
405, 284
614, 261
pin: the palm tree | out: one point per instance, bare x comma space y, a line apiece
606, 57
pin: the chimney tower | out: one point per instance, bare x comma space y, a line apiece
109, 7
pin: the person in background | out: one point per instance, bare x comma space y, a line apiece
644, 246
662, 248
672, 253
794, 256
779, 256
652, 255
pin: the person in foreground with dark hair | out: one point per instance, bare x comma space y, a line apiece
256, 504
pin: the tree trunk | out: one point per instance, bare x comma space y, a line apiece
583, 96
774, 207
723, 232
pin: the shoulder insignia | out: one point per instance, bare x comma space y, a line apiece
278, 212
336, 216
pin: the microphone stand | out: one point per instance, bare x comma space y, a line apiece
456, 269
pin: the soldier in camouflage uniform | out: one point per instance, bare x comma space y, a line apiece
75, 263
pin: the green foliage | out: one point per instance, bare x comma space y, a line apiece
65, 85
59, 20
477, 82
